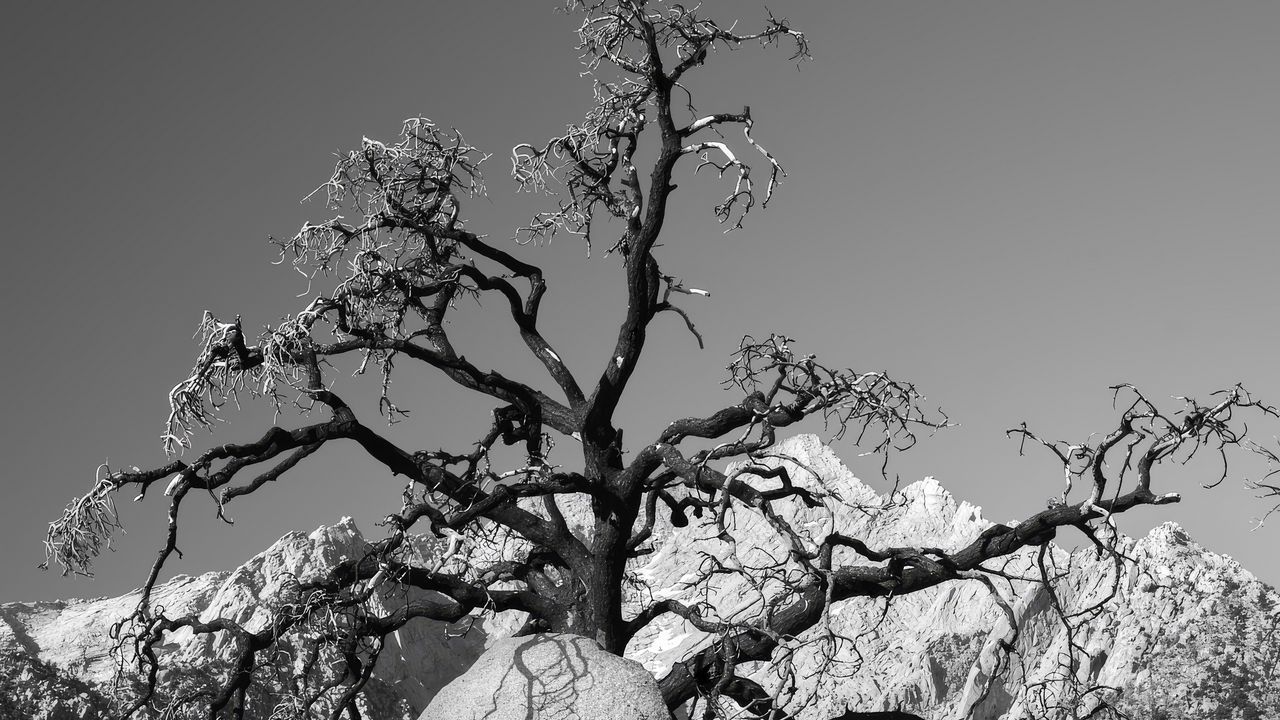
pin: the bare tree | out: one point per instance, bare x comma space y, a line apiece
391, 279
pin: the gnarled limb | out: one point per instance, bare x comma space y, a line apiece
910, 569
381, 288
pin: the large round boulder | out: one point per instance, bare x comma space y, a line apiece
554, 676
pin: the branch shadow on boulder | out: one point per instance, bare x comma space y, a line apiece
555, 675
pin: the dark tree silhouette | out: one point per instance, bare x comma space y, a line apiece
391, 279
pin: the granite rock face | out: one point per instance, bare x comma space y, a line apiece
553, 675
35, 690
1184, 633
51, 644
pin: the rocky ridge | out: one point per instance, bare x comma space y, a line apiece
56, 659
1186, 634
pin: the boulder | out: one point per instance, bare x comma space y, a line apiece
555, 676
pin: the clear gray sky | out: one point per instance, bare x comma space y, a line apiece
1014, 205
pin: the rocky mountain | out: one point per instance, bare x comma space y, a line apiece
1180, 632
56, 660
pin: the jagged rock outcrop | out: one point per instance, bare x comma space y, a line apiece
552, 675
1187, 633
913, 655
35, 690
68, 641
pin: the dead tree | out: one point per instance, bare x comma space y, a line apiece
391, 278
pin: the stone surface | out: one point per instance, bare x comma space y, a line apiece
1187, 630
69, 639
33, 690
1188, 633
553, 676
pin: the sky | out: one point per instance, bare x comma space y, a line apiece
1013, 205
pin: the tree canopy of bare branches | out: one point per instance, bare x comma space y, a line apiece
386, 269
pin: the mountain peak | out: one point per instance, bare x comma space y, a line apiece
1170, 532
1182, 620
930, 495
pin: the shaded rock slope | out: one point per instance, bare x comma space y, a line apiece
1185, 633
56, 660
